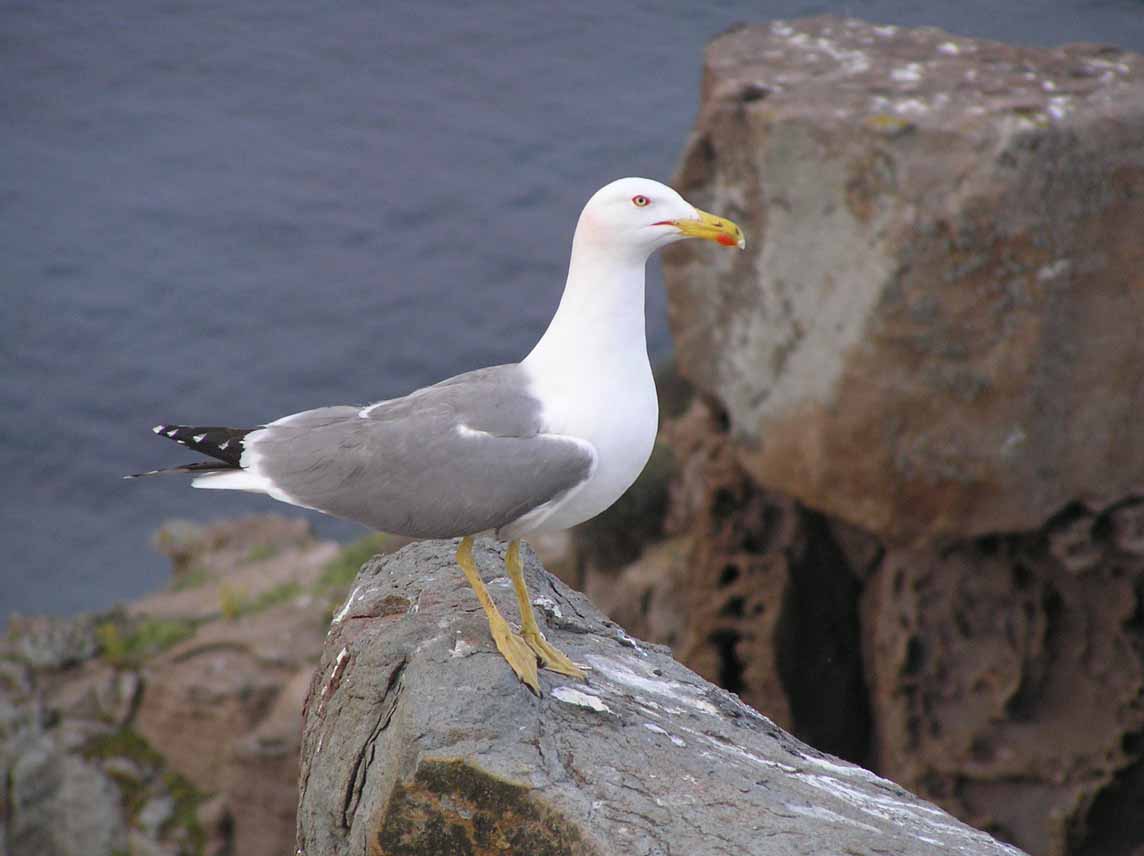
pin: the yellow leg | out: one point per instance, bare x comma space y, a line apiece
550, 656
513, 648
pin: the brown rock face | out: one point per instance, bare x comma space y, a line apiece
935, 330
1001, 676
769, 600
1007, 680
912, 490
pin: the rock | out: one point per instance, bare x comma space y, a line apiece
48, 642
228, 543
95, 691
998, 676
60, 805
139, 844
418, 739
185, 703
649, 596
209, 707
234, 565
767, 601
154, 814
935, 330
215, 820
1007, 686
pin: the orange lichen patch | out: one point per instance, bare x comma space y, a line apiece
454, 807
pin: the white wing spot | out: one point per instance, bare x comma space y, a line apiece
172, 432
199, 437
224, 445
158, 429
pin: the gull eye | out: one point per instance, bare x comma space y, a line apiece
641, 201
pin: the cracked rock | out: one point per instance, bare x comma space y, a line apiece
410, 748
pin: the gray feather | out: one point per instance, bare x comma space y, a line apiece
406, 468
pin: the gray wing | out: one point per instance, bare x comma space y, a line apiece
460, 457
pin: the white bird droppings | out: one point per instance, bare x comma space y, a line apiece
624, 672
571, 695
547, 604
462, 648
344, 611
655, 729
1053, 269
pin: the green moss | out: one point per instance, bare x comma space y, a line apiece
890, 125
124, 743
274, 596
454, 807
232, 601
126, 643
185, 816
261, 552
190, 579
340, 571
154, 779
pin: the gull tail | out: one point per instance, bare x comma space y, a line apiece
197, 467
225, 445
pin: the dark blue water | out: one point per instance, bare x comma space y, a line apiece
229, 211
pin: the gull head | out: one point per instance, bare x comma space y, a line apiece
643, 215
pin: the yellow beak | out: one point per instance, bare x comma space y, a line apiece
712, 228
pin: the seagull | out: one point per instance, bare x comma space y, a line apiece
516, 449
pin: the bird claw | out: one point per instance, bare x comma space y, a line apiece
519, 655
551, 657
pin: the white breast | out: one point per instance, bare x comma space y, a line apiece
617, 413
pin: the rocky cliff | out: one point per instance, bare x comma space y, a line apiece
903, 516
420, 740
906, 520
170, 727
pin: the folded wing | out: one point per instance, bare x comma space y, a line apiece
460, 457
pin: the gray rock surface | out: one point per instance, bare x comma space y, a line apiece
61, 805
169, 727
419, 740
935, 330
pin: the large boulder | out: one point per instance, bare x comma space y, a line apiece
935, 330
420, 740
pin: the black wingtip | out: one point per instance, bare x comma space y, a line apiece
223, 444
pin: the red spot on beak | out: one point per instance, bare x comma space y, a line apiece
727, 241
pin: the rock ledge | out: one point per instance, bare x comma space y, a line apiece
419, 740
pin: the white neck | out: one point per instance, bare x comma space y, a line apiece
601, 315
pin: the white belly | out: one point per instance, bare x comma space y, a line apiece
618, 414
